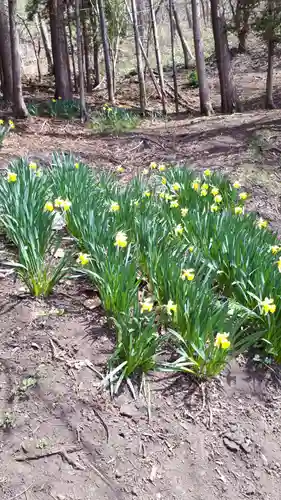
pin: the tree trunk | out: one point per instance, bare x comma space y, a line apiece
46, 43
36, 52
72, 52
269, 104
86, 44
203, 12
140, 19
83, 112
19, 106
187, 54
5, 55
172, 32
139, 59
104, 35
158, 56
188, 16
60, 50
96, 45
227, 90
204, 93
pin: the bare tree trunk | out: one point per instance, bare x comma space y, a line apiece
188, 16
104, 35
86, 39
140, 19
72, 52
269, 104
83, 112
187, 54
203, 11
139, 59
36, 53
20, 108
158, 56
172, 31
60, 51
46, 43
5, 55
96, 45
228, 101
204, 93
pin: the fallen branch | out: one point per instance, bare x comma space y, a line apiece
59, 451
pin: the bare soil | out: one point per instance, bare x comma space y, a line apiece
65, 439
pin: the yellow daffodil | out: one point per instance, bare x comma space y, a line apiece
54, 100
243, 196
120, 169
184, 212
207, 172
214, 208
145, 171
174, 204
238, 210
58, 202
176, 186
171, 308
188, 274
222, 341
191, 248
146, 306
215, 191
2, 122
275, 249
49, 207
38, 173
195, 185
147, 194
12, 177
121, 240
218, 198
11, 124
66, 205
109, 110
205, 186
164, 180
83, 259
268, 306
178, 230
115, 207
236, 185
153, 165
59, 98
162, 168
32, 166
76, 165
162, 195
136, 203
279, 264
262, 224
168, 197
203, 192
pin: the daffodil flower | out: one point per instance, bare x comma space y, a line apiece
203, 192
168, 197
222, 341
215, 191
2, 122
136, 203
176, 186
195, 185
54, 100
32, 166
162, 195
275, 249
238, 210
83, 259
120, 169
205, 186
76, 165
48, 207
146, 306
214, 208
174, 204
218, 198
188, 274
236, 185
243, 196
147, 194
164, 180
66, 205
171, 308
153, 165
121, 240
262, 224
178, 230
59, 202
184, 212
162, 168
145, 171
207, 172
11, 124
191, 248
268, 306
12, 177
115, 207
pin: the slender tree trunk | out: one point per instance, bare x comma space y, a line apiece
72, 52
46, 43
227, 90
5, 55
204, 93
104, 35
187, 54
20, 109
83, 112
139, 59
172, 31
60, 50
188, 16
36, 53
96, 45
140, 19
269, 104
86, 39
158, 56
203, 11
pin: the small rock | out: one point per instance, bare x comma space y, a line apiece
230, 444
251, 489
118, 474
134, 492
93, 303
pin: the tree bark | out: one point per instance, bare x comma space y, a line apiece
83, 112
72, 52
86, 45
158, 56
104, 35
96, 45
5, 55
172, 32
139, 59
204, 93
228, 101
46, 43
36, 51
269, 104
60, 50
187, 54
20, 109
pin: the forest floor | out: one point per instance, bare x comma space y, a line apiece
64, 438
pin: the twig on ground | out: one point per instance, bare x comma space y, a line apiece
59, 451
22, 492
